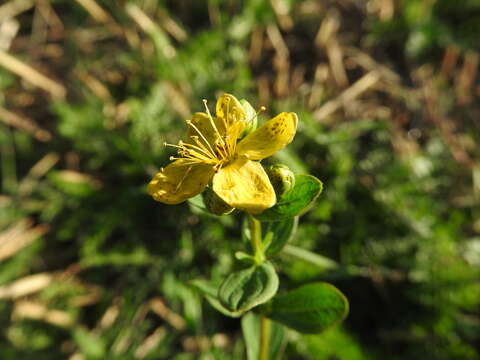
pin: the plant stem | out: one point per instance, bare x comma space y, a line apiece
257, 246
265, 326
256, 239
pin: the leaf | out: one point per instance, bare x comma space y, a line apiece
311, 257
89, 344
280, 232
197, 201
244, 289
296, 201
311, 308
251, 334
276, 234
209, 291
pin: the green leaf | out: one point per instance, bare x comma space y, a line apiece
209, 291
197, 201
296, 201
276, 234
251, 334
311, 257
89, 344
311, 308
244, 289
279, 234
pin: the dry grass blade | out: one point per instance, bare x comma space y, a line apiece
13, 8
281, 9
450, 59
368, 63
24, 124
278, 43
359, 87
95, 85
76, 177
37, 171
335, 57
31, 75
317, 91
150, 342
281, 60
172, 27
26, 286
37, 311
159, 307
8, 31
19, 236
96, 11
328, 28
109, 317
467, 77
149, 27
178, 100
256, 45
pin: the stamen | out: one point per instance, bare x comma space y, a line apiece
189, 122
259, 111
195, 149
200, 147
184, 151
185, 161
210, 117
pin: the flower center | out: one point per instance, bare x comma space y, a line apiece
199, 150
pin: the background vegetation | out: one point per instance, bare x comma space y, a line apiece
388, 99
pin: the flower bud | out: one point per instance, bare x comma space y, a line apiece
282, 178
214, 203
251, 118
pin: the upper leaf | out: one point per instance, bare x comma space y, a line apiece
307, 188
279, 232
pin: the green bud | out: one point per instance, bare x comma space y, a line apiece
282, 178
214, 203
251, 118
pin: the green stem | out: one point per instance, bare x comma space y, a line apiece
256, 239
257, 246
265, 326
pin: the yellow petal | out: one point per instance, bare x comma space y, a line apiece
228, 111
179, 182
272, 136
202, 122
244, 185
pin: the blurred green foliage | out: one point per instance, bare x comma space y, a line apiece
399, 212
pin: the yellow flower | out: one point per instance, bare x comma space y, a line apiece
211, 153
